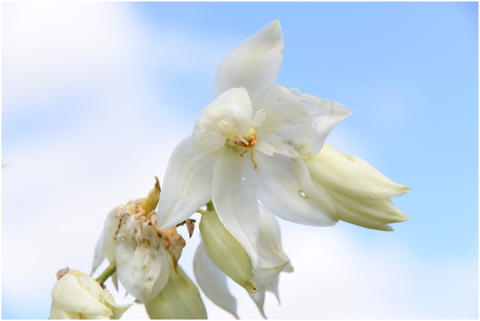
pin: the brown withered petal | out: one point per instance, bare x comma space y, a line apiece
173, 243
62, 272
190, 226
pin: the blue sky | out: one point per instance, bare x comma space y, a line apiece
87, 86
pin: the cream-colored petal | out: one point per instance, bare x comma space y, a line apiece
235, 202
369, 213
284, 186
212, 281
60, 314
142, 263
228, 116
117, 309
253, 64
259, 299
179, 299
187, 184
106, 244
351, 176
287, 126
68, 294
326, 114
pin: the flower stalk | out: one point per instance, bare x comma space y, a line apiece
107, 273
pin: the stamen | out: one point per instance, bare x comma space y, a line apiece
255, 166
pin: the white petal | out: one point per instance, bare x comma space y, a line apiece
266, 148
142, 263
228, 116
259, 299
273, 288
258, 118
253, 64
212, 281
60, 314
235, 203
68, 294
187, 185
106, 244
284, 186
369, 213
270, 244
351, 176
117, 309
287, 126
326, 114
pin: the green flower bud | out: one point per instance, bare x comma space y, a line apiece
226, 252
179, 299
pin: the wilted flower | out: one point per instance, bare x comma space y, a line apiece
131, 240
359, 193
276, 126
78, 296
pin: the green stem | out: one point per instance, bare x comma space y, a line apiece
107, 273
201, 211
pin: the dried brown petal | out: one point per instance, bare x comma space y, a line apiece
190, 226
62, 272
173, 243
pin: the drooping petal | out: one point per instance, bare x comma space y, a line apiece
117, 309
187, 184
142, 264
269, 242
365, 212
106, 243
287, 125
60, 314
228, 116
284, 186
273, 288
253, 64
351, 176
69, 294
259, 299
326, 114
212, 281
236, 203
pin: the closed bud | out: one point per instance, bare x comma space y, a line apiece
179, 299
226, 252
78, 296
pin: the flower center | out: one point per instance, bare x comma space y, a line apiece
251, 139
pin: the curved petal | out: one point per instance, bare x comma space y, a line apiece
69, 294
106, 243
59, 314
142, 264
236, 203
253, 64
212, 281
351, 176
117, 309
228, 116
273, 288
287, 125
326, 114
269, 241
284, 186
186, 186
259, 299
369, 213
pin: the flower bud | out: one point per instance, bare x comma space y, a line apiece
78, 296
359, 193
226, 252
179, 299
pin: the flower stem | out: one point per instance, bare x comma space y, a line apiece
107, 273
201, 211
